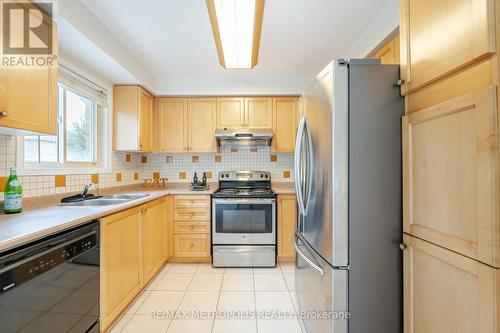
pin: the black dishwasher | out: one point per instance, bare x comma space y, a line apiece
52, 285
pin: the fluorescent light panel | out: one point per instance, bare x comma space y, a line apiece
235, 22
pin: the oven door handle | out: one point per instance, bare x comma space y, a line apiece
244, 201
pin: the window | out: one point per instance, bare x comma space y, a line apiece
81, 138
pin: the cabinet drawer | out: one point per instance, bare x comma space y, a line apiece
189, 214
191, 227
191, 245
191, 201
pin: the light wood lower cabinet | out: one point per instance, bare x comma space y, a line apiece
190, 219
448, 292
133, 249
287, 222
121, 269
451, 192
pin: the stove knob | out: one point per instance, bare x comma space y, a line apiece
267, 176
261, 175
227, 175
222, 176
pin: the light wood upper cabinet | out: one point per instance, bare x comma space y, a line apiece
201, 119
121, 269
132, 119
447, 292
186, 124
451, 192
230, 112
287, 222
154, 237
284, 123
172, 122
388, 53
439, 37
258, 112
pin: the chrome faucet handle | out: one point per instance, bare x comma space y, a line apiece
86, 189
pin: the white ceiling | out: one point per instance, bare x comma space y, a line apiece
174, 42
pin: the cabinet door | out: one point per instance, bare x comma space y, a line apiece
154, 236
230, 113
447, 292
388, 53
451, 192
284, 126
258, 112
439, 37
287, 222
146, 121
121, 273
172, 117
27, 99
201, 118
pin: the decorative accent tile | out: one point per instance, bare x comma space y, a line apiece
286, 174
60, 181
169, 159
94, 178
218, 158
234, 150
144, 159
3, 182
182, 175
118, 176
195, 159
208, 174
127, 157
156, 175
273, 158
253, 150
136, 175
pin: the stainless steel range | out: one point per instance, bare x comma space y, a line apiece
244, 220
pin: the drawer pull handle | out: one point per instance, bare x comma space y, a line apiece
191, 245
4, 114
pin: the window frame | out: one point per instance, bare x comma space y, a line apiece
102, 146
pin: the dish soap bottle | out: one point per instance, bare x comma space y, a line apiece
13, 194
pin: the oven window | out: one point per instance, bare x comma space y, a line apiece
244, 218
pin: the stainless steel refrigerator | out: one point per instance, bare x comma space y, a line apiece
348, 185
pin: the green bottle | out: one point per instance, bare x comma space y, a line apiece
13, 194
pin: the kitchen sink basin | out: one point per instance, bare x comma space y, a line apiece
107, 200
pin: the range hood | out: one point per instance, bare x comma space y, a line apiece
243, 138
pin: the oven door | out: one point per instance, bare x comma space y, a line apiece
244, 221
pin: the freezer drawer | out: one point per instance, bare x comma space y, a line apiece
244, 256
322, 292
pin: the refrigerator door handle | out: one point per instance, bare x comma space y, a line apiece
309, 169
297, 166
317, 267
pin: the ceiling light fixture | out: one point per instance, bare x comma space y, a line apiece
236, 25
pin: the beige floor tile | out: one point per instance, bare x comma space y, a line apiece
274, 326
120, 324
153, 283
239, 270
161, 301
239, 282
190, 326
290, 280
173, 281
287, 268
274, 301
269, 282
267, 270
132, 309
209, 269
235, 326
293, 295
236, 301
183, 268
199, 301
202, 281
146, 324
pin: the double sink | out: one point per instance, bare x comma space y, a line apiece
107, 200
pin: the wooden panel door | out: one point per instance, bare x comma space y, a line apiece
440, 37
389, 53
451, 192
154, 237
192, 245
287, 222
259, 112
145, 121
447, 292
284, 124
126, 123
201, 118
121, 263
230, 112
172, 129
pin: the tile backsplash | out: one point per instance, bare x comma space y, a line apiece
132, 168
